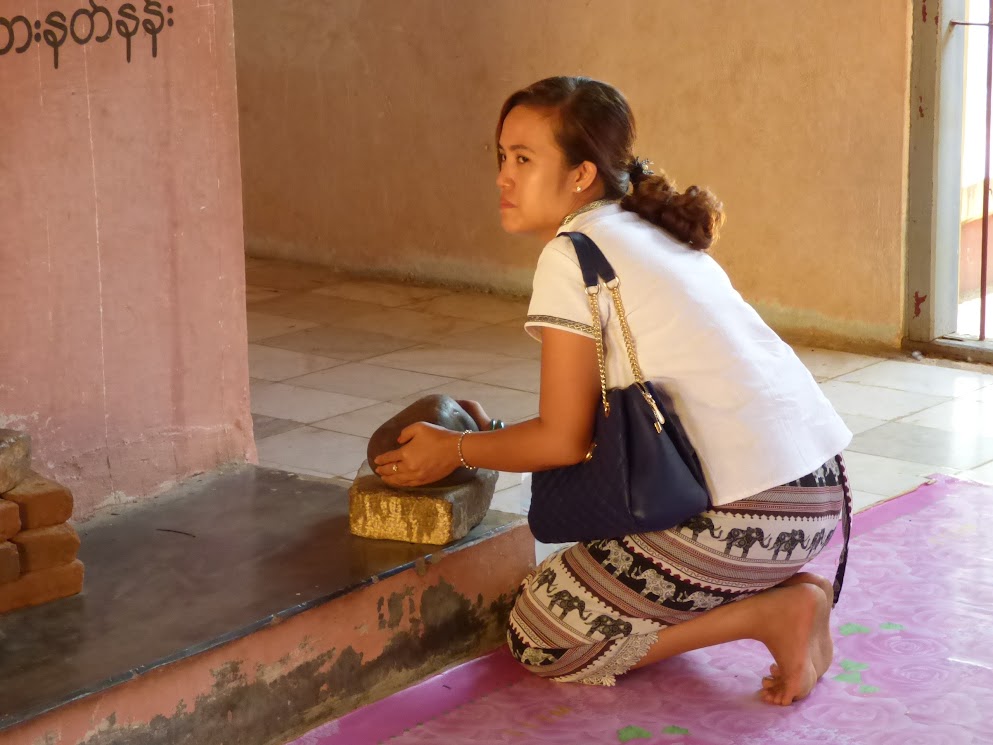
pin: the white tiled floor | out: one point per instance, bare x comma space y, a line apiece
332, 358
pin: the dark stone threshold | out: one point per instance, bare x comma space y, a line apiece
215, 559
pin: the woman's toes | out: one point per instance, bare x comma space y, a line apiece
771, 695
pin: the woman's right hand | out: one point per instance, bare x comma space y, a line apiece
478, 414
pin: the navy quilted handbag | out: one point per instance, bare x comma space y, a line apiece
641, 473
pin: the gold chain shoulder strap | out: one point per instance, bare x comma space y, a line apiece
615, 292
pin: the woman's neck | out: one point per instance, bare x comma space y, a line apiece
583, 207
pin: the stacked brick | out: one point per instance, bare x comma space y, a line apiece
38, 547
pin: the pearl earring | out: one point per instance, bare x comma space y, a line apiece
579, 188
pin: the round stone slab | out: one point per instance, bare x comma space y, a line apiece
438, 409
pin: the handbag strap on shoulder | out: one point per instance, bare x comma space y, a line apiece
595, 267
591, 260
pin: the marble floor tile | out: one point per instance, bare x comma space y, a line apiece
267, 426
825, 364
971, 414
302, 404
516, 499
509, 340
862, 500
318, 450
263, 326
370, 381
910, 442
982, 474
390, 294
916, 377
888, 477
858, 424
410, 324
362, 422
339, 343
320, 309
507, 479
477, 306
444, 361
274, 364
876, 402
523, 376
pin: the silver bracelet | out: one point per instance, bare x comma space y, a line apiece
461, 458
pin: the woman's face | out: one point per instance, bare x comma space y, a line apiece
537, 187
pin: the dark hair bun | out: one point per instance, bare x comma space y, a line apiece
638, 170
693, 217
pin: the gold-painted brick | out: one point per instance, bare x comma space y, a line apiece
436, 515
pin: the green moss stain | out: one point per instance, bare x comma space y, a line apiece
633, 733
854, 628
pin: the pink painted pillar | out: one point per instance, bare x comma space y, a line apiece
122, 310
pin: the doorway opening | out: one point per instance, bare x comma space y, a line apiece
974, 319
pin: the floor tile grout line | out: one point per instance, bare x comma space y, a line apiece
259, 307
928, 466
967, 431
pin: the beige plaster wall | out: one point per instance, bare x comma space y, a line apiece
122, 316
367, 131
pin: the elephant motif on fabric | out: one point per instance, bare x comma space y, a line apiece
816, 541
655, 584
534, 656
609, 627
698, 524
827, 475
620, 559
546, 578
701, 600
788, 541
745, 538
568, 603
831, 473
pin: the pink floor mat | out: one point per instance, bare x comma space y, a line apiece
913, 661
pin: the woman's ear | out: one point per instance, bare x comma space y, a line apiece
585, 175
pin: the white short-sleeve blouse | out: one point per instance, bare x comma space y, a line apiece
754, 413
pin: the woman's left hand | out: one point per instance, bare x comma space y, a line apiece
429, 453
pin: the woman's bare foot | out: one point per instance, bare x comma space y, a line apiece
799, 638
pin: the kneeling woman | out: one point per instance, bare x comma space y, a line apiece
768, 440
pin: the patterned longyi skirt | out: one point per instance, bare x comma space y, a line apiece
590, 612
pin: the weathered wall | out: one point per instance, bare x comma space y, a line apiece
367, 131
122, 316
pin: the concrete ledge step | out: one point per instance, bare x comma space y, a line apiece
239, 608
